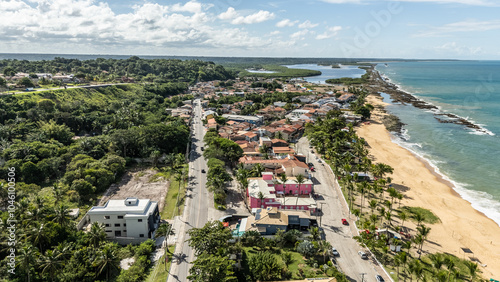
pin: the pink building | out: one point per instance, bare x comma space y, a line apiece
282, 196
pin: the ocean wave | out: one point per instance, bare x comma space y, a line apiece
480, 128
479, 200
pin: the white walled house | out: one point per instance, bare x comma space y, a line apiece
127, 219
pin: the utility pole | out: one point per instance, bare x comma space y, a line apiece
321, 216
363, 277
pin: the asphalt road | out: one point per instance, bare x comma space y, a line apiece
334, 209
195, 211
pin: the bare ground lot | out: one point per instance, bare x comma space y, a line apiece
136, 183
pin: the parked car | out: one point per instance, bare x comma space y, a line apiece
335, 252
379, 278
310, 164
313, 169
203, 171
362, 255
319, 160
344, 221
202, 148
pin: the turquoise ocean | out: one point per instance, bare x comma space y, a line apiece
468, 158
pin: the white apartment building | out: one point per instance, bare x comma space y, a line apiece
131, 218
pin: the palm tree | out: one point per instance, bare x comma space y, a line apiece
287, 258
437, 261
419, 217
257, 170
155, 156
106, 260
388, 216
300, 180
402, 216
362, 188
61, 215
96, 234
417, 268
315, 234
394, 194
373, 205
37, 235
51, 263
261, 198
58, 194
27, 259
380, 170
450, 265
283, 180
473, 269
325, 248
424, 232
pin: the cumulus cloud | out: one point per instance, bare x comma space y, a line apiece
229, 14
285, 23
260, 16
92, 25
300, 34
307, 24
329, 33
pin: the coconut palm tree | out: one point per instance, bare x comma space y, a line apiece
299, 179
450, 265
417, 268
60, 214
257, 170
315, 234
58, 194
261, 198
373, 205
96, 234
402, 216
283, 180
437, 261
51, 263
424, 232
106, 260
388, 216
419, 217
363, 188
325, 248
27, 259
155, 157
380, 170
37, 235
473, 269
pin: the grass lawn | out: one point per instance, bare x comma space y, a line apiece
170, 210
160, 270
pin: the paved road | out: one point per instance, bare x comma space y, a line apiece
195, 211
334, 209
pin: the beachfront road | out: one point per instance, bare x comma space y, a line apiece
334, 209
195, 211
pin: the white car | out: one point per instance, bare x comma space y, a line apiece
335, 252
362, 255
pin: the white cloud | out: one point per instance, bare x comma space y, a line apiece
191, 7
229, 14
71, 25
465, 2
453, 47
307, 24
285, 23
260, 16
300, 34
276, 32
329, 33
463, 26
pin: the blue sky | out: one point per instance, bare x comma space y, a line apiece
420, 29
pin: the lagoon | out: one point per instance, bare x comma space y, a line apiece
328, 72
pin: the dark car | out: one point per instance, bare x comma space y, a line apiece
379, 278
202, 148
203, 171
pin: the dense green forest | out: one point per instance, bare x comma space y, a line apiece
66, 147
152, 70
278, 71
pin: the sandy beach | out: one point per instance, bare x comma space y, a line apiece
461, 225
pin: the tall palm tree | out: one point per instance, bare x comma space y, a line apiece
261, 198
283, 180
417, 268
96, 234
373, 205
257, 170
106, 260
300, 180
51, 263
37, 235
58, 194
424, 231
419, 217
325, 248
402, 216
450, 265
473, 269
362, 188
60, 214
380, 170
27, 259
155, 157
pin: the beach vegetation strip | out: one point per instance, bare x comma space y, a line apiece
278, 71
